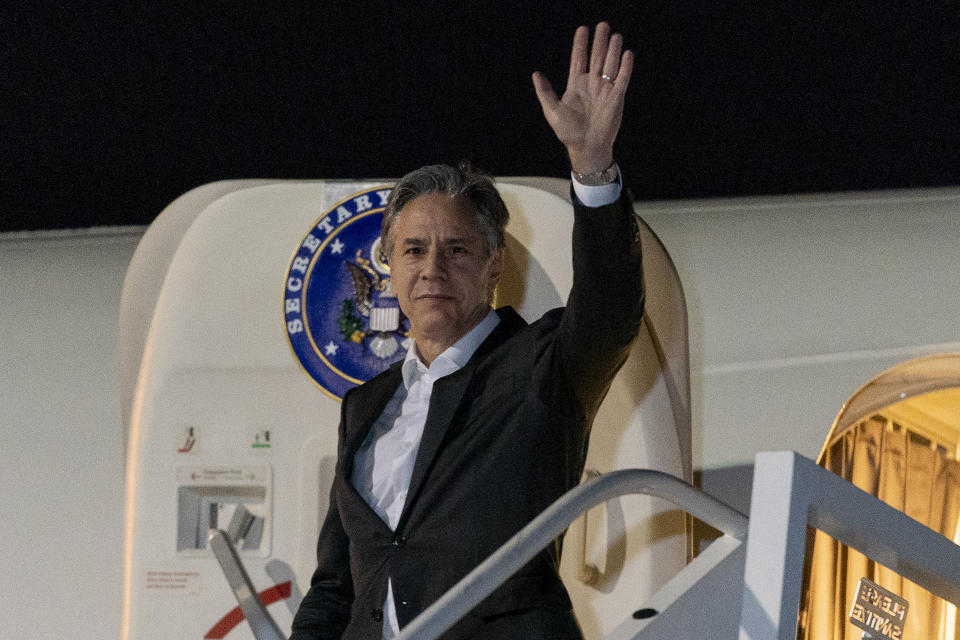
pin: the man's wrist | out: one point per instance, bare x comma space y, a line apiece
606, 176
589, 161
598, 195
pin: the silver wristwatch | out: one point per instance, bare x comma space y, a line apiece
599, 178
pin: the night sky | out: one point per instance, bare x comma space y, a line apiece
110, 111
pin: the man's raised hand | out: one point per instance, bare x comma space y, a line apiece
587, 118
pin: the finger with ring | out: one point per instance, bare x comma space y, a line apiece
611, 62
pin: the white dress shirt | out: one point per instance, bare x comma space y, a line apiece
383, 465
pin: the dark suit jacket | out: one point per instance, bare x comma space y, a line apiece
505, 436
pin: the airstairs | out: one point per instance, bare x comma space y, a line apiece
746, 584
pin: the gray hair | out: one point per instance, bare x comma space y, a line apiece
461, 182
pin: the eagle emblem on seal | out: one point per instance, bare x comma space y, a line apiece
374, 300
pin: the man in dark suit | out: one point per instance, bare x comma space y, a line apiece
446, 455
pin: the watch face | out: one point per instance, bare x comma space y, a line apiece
599, 178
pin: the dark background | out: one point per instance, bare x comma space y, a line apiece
110, 111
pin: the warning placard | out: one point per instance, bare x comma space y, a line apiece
172, 582
879, 612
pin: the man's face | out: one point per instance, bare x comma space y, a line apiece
440, 270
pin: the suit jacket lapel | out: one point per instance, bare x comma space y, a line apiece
446, 398
362, 414
366, 410
444, 401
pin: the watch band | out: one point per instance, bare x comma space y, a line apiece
599, 178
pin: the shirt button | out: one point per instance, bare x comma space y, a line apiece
399, 541
377, 615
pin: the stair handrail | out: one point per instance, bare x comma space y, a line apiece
543, 529
511, 556
262, 624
